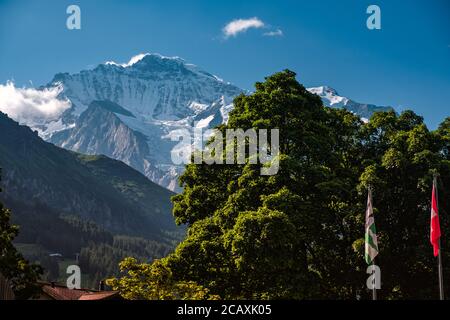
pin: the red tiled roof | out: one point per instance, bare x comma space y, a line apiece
62, 293
59, 292
99, 295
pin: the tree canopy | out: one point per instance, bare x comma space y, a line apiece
299, 234
13, 266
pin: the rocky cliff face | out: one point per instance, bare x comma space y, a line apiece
100, 131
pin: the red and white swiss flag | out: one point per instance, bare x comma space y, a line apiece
435, 228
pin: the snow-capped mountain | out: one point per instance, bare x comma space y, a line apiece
150, 97
154, 87
331, 98
131, 111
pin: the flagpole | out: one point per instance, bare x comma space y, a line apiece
441, 277
374, 290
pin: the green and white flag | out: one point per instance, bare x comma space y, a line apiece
371, 232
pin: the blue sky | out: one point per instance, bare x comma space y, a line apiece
406, 64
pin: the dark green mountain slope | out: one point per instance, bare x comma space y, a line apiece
116, 197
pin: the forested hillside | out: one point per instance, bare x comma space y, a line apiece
71, 204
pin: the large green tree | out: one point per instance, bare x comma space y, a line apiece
404, 156
299, 233
13, 266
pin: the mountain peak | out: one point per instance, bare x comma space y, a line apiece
144, 58
154, 64
323, 90
331, 98
150, 86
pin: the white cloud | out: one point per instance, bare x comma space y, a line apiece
31, 106
237, 26
132, 61
276, 33
135, 59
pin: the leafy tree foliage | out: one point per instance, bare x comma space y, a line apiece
13, 266
154, 282
299, 234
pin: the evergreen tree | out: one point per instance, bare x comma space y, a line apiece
13, 266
